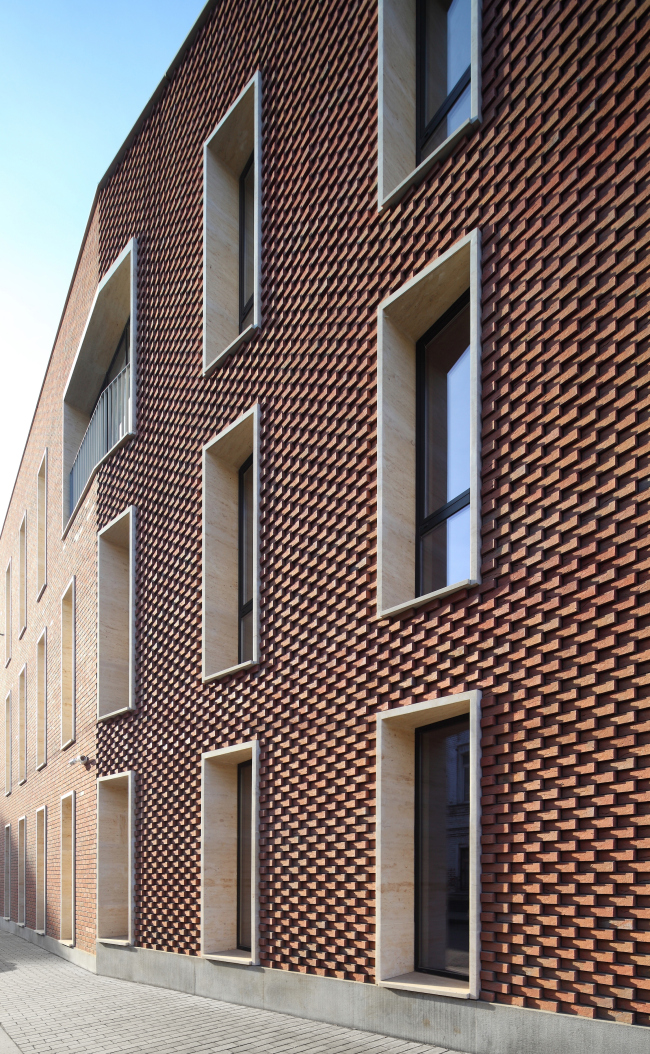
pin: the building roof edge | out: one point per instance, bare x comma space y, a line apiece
119, 156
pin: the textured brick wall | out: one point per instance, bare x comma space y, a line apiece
557, 181
75, 555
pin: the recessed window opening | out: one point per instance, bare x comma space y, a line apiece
41, 848
22, 725
99, 403
21, 871
246, 523
114, 858
68, 677
246, 243
444, 70
443, 388
229, 873
22, 576
7, 876
109, 418
244, 818
8, 613
41, 700
442, 848
41, 526
115, 603
67, 868
8, 744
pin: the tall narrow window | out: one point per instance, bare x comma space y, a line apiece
41, 851
246, 243
22, 577
229, 872
115, 801
115, 621
21, 871
41, 527
443, 451
246, 521
244, 816
8, 744
444, 70
230, 622
22, 725
8, 613
68, 665
7, 883
442, 848
41, 700
67, 867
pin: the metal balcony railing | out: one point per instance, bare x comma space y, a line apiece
108, 424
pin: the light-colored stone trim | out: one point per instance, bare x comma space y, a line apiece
22, 725
68, 664
222, 459
8, 743
68, 849
402, 319
115, 857
6, 905
41, 527
225, 153
40, 891
116, 545
8, 613
396, 109
22, 576
219, 853
395, 936
114, 302
41, 700
22, 867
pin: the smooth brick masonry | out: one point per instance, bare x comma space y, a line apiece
48, 1005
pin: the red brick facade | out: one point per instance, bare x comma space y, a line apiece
557, 179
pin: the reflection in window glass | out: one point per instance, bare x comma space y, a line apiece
244, 816
444, 60
443, 429
442, 848
246, 243
246, 513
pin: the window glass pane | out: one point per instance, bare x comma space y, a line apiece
446, 552
247, 535
459, 40
442, 848
246, 637
244, 811
248, 236
448, 40
447, 413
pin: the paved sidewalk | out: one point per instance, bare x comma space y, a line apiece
48, 1005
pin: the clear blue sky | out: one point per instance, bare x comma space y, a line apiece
75, 76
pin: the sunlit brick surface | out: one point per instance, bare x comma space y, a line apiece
558, 181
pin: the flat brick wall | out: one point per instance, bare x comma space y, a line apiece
557, 179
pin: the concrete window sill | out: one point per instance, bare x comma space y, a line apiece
429, 983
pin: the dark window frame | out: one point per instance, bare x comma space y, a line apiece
241, 766
245, 608
416, 855
424, 524
425, 131
244, 308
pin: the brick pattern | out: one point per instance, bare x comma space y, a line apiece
557, 181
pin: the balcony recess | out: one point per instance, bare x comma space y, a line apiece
108, 426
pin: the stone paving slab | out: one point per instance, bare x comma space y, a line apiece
49, 1006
